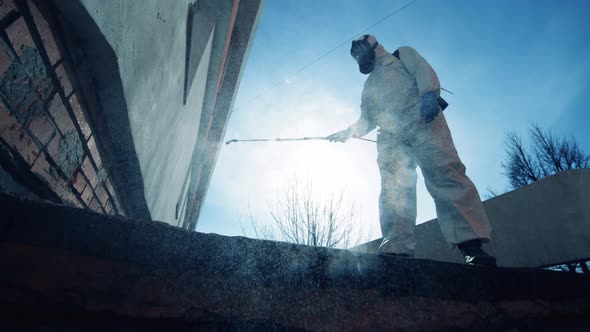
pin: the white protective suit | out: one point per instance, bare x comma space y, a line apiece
391, 101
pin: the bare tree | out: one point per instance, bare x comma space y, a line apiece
301, 216
547, 155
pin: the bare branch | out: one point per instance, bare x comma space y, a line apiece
490, 193
550, 155
519, 165
548, 150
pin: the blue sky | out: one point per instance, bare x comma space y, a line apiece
509, 63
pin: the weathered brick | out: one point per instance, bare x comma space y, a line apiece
52, 148
79, 182
87, 195
6, 6
30, 63
66, 152
46, 34
115, 199
60, 115
29, 109
90, 172
71, 153
108, 208
5, 61
110, 188
19, 36
19, 85
6, 119
95, 205
44, 170
64, 80
94, 151
20, 141
45, 89
101, 194
42, 128
27, 149
80, 116
69, 197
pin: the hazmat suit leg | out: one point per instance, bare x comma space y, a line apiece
397, 201
458, 206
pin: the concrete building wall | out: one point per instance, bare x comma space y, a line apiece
545, 223
146, 88
149, 39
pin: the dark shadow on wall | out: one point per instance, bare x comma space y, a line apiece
100, 81
199, 26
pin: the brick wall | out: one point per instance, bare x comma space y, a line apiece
42, 121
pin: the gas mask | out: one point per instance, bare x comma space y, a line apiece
364, 54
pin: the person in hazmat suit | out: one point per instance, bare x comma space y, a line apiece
401, 97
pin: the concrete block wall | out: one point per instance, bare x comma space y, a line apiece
545, 223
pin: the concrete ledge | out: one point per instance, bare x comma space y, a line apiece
71, 268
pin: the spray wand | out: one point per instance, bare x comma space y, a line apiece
289, 139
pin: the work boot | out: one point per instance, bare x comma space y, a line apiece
474, 255
385, 246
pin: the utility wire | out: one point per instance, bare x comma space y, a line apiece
305, 67
353, 37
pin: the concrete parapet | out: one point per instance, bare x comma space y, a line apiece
74, 269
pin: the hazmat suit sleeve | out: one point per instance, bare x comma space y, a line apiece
364, 124
415, 64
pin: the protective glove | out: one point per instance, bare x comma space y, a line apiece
340, 136
429, 106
